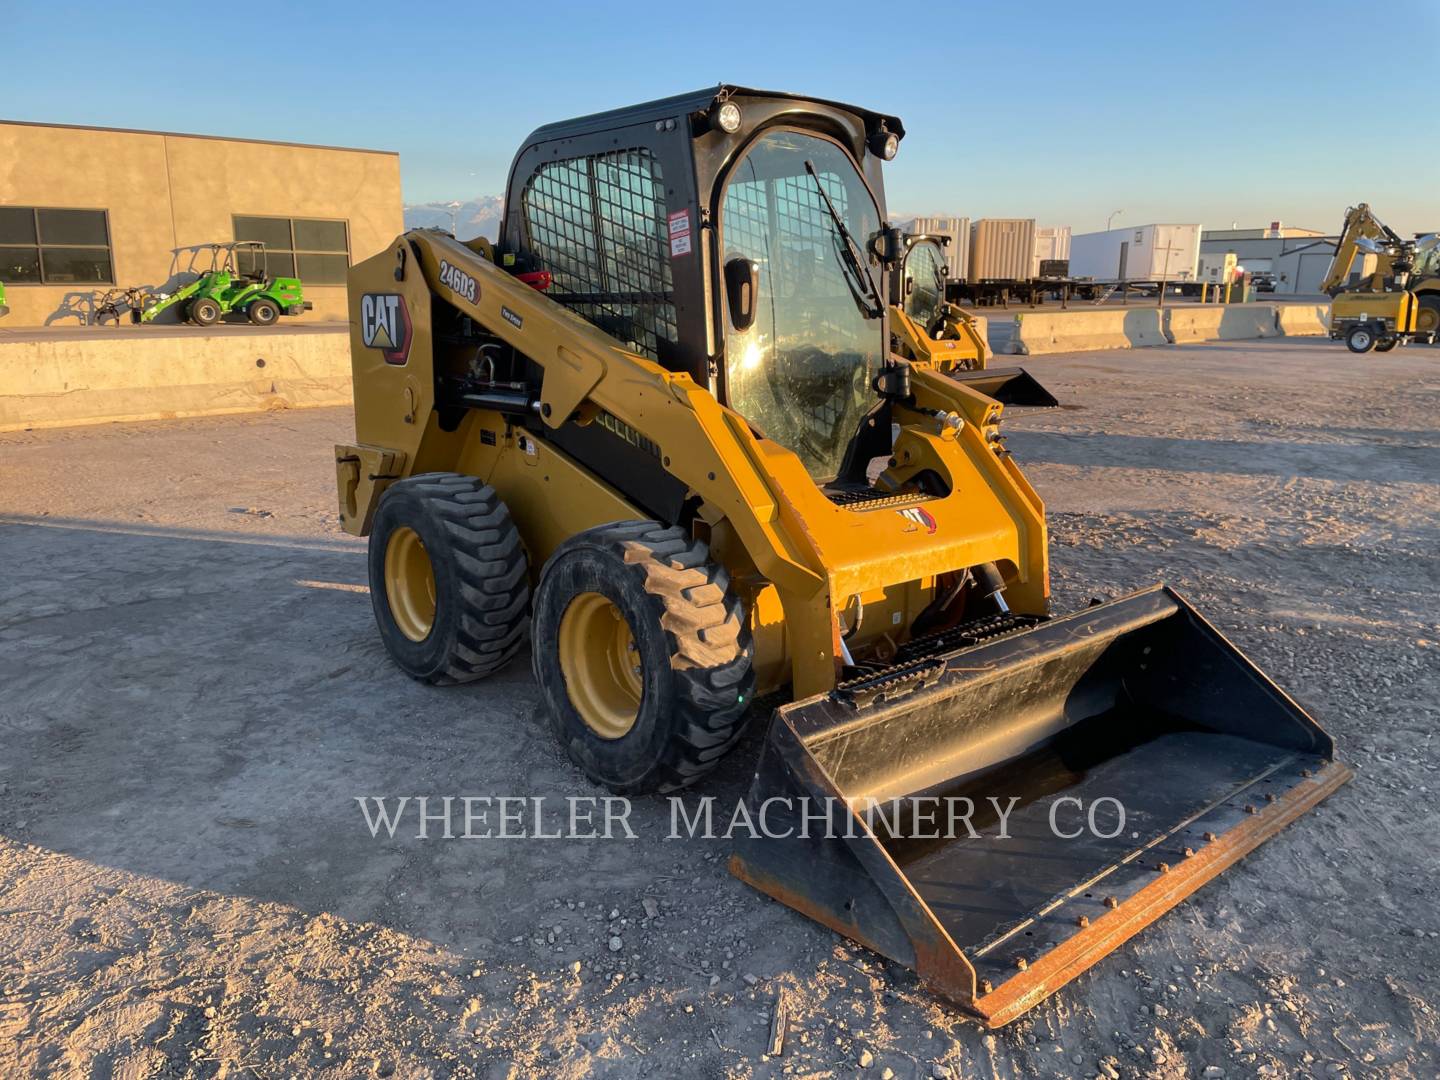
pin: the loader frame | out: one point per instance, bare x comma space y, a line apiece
801, 555
565, 383
617, 434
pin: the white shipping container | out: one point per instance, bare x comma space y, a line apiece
1001, 249
957, 251
1137, 253
1051, 242
1217, 267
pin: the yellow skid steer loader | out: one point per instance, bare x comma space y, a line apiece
663, 429
928, 328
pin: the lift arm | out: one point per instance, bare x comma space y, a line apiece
1360, 224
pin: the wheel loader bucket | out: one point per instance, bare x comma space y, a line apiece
1009, 386
1111, 762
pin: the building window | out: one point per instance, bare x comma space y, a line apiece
312, 249
598, 224
43, 246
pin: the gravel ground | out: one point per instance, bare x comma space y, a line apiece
194, 696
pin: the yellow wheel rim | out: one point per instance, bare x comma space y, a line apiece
601, 665
410, 583
1427, 319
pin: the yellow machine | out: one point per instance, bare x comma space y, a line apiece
925, 327
659, 430
1399, 301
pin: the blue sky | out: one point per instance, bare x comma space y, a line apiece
1215, 113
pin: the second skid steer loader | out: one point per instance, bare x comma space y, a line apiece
929, 329
659, 429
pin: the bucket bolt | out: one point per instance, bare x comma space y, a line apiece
1021, 963
1209, 837
1083, 921
986, 986
1111, 902
1189, 852
1250, 808
1163, 867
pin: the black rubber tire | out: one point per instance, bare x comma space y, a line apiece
482, 584
184, 312
1387, 344
1428, 317
263, 312
204, 312
1361, 339
693, 642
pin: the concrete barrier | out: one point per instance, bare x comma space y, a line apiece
157, 373
1191, 323
1087, 330
1303, 320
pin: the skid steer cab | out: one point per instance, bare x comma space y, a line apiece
675, 430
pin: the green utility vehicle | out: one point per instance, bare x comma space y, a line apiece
225, 287
4, 308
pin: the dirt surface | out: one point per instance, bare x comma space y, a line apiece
195, 695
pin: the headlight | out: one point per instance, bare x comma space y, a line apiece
728, 118
886, 144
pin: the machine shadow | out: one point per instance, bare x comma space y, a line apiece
79, 306
207, 708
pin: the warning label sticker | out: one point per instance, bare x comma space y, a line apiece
680, 233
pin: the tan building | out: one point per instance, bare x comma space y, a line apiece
84, 209
1298, 259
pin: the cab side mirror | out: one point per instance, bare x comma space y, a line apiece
742, 288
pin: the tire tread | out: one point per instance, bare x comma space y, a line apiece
494, 587
710, 646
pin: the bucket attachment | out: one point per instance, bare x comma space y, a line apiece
1044, 732
1009, 386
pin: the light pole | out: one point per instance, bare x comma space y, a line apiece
1111, 218
454, 208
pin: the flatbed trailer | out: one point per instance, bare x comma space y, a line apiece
1034, 292
1001, 292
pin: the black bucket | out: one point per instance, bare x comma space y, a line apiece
1005, 814
1008, 385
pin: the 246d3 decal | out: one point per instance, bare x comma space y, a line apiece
461, 282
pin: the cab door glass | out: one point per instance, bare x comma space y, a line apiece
924, 284
801, 371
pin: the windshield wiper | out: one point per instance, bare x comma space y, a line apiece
867, 296
939, 274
